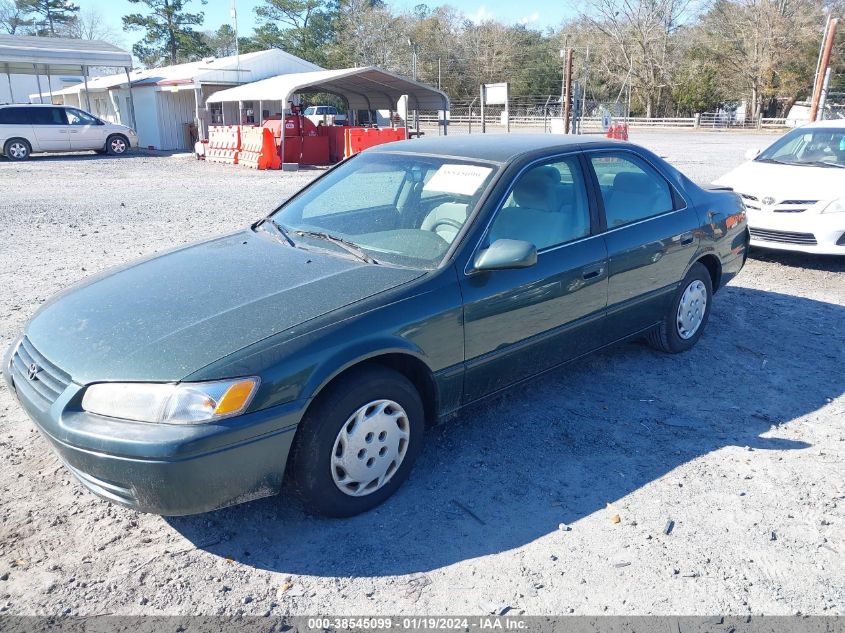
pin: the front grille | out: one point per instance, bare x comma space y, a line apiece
783, 237
786, 206
48, 381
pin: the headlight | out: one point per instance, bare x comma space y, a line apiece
837, 206
182, 403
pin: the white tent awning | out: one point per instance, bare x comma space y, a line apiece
367, 88
57, 55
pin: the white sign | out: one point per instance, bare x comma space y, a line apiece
496, 94
460, 179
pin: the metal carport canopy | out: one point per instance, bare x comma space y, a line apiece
367, 88
21, 55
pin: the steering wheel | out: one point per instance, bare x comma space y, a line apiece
446, 222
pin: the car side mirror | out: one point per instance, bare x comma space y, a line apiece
752, 154
506, 254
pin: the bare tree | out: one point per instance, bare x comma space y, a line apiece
640, 37
13, 17
90, 24
764, 47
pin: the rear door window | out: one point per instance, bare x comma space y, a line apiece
631, 189
48, 116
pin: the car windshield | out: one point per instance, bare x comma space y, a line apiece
808, 146
399, 209
310, 110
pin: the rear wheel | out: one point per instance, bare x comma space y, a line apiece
17, 149
357, 443
116, 145
688, 313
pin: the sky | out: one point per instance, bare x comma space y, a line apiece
536, 14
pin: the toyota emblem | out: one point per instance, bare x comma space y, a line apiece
32, 372
768, 201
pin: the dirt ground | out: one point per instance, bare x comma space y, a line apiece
738, 443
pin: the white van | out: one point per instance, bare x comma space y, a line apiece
28, 128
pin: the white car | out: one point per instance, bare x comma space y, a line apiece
326, 115
794, 190
29, 128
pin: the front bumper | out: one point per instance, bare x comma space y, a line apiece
167, 469
808, 232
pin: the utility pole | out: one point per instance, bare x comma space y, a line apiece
567, 90
414, 51
824, 65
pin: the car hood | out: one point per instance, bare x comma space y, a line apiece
166, 317
785, 182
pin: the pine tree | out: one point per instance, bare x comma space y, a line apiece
51, 15
169, 36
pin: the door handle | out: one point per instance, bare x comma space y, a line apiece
687, 239
591, 272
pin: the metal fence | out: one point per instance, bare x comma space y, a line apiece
543, 115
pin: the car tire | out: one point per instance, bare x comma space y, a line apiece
17, 149
117, 145
370, 423
688, 313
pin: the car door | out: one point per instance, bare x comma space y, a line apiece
50, 128
520, 322
86, 132
651, 235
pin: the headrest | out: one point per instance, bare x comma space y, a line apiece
633, 182
537, 189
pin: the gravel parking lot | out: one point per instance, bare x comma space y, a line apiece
738, 442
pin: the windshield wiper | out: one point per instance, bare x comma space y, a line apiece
349, 247
279, 228
821, 163
773, 160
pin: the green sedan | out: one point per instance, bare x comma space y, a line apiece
407, 283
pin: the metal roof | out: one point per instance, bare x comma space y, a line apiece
498, 148
56, 55
232, 69
367, 88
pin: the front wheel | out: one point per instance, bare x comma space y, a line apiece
688, 313
117, 145
357, 443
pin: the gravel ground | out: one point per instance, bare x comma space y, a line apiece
739, 443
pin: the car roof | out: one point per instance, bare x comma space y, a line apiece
499, 148
31, 105
828, 123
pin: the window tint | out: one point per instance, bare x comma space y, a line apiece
547, 206
15, 116
47, 116
630, 188
78, 117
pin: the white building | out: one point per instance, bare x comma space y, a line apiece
170, 101
17, 88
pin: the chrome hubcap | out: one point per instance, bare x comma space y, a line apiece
691, 309
370, 448
17, 150
118, 146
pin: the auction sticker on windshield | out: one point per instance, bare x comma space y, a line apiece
456, 178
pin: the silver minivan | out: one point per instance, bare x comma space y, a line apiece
28, 128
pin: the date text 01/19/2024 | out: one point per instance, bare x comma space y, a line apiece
421, 623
